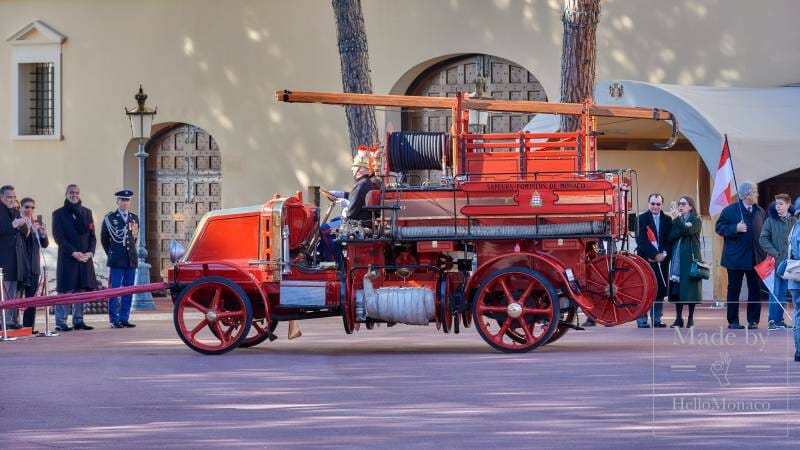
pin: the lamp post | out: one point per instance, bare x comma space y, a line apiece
141, 119
477, 117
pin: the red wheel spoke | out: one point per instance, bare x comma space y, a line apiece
507, 291
499, 336
229, 314
483, 308
599, 274
196, 305
536, 310
596, 283
229, 332
197, 328
625, 294
524, 326
215, 301
220, 333
527, 293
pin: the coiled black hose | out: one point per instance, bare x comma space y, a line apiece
416, 150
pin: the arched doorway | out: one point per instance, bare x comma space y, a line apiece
505, 80
184, 181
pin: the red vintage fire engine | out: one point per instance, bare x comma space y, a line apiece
513, 234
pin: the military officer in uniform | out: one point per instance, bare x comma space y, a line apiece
118, 237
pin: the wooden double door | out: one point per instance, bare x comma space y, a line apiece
505, 80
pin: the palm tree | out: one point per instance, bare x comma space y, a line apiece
578, 54
354, 56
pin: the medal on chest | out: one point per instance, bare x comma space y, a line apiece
134, 229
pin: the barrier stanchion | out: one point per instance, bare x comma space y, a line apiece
46, 332
44, 291
5, 337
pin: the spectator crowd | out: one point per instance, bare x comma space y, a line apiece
671, 244
23, 235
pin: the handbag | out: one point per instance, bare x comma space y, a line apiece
701, 270
792, 270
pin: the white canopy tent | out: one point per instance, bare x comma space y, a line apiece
763, 131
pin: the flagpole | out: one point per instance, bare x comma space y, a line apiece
733, 172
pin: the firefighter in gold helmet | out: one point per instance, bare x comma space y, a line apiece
364, 166
365, 163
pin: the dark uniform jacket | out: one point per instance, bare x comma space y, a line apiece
358, 198
74, 232
741, 251
646, 250
9, 257
118, 238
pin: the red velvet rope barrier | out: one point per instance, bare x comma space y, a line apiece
81, 297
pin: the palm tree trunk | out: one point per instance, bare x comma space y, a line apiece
354, 56
578, 54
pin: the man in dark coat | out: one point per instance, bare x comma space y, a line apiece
10, 226
653, 246
118, 236
33, 240
740, 226
73, 230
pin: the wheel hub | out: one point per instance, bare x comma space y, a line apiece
211, 316
514, 310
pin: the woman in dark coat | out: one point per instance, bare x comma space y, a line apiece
684, 238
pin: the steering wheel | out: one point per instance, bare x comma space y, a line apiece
328, 195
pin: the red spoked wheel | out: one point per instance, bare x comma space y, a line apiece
516, 310
213, 315
626, 298
260, 331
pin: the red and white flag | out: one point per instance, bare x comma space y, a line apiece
766, 271
651, 236
721, 195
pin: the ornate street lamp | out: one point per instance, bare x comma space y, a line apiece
141, 119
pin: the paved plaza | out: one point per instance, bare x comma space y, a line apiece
402, 387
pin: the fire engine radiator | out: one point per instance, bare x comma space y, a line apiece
442, 231
409, 305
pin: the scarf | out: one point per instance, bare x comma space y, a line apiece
675, 268
74, 209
